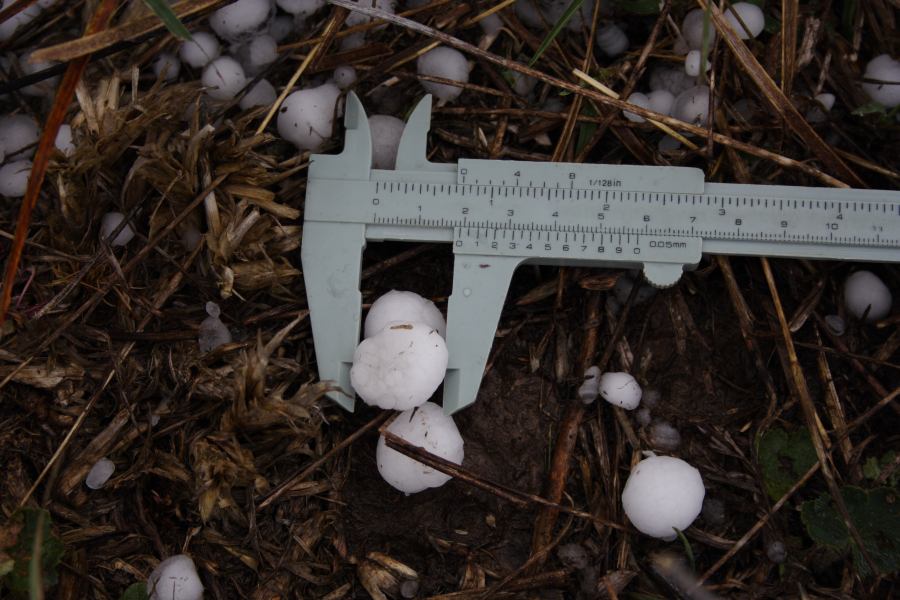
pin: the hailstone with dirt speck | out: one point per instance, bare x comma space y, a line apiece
865, 291
662, 494
620, 389
223, 78
306, 118
175, 578
403, 306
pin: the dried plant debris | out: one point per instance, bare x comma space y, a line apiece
158, 321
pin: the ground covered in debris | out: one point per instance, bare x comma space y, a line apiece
753, 371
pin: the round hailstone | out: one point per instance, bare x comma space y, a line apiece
399, 367
886, 70
836, 324
240, 19
692, 30
664, 437
864, 291
213, 332
661, 101
357, 18
261, 52
403, 306
692, 63
167, 65
672, 80
280, 28
386, 132
590, 387
751, 15
18, 132
223, 78
447, 63
427, 427
306, 118
302, 8
109, 223
692, 106
491, 24
522, 84
63, 141
175, 579
776, 552
663, 494
638, 99
14, 178
818, 112
100, 473
199, 51
611, 40
620, 389
261, 94
344, 77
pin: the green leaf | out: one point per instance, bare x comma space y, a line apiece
586, 131
557, 27
784, 458
639, 7
874, 466
169, 18
26, 573
871, 108
876, 515
135, 591
687, 548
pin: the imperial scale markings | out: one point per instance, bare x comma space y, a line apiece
500, 214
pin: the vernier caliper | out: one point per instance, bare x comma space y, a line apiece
498, 214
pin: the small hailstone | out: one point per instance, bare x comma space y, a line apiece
692, 30
354, 41
213, 332
713, 511
638, 99
428, 427
280, 28
240, 19
662, 494
823, 105
650, 398
836, 324
447, 63
109, 223
223, 78
404, 306
261, 94
100, 473
590, 387
358, 18
400, 367
262, 51
750, 14
522, 84
668, 144
409, 588
643, 416
692, 106
672, 80
175, 579
18, 132
664, 437
303, 8
63, 141
344, 76
14, 178
491, 25
199, 51
776, 552
167, 65
620, 389
306, 117
886, 70
864, 291
611, 40
692, 63
386, 132
573, 556
661, 101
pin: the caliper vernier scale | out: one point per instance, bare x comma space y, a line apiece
498, 214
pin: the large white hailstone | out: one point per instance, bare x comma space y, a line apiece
344, 76
63, 141
620, 389
167, 65
611, 40
213, 332
399, 367
386, 132
261, 94
692, 106
398, 305
884, 69
20, 19
199, 51
175, 579
751, 15
661, 101
303, 8
663, 494
100, 473
447, 63
18, 132
692, 63
306, 118
427, 427
223, 78
14, 178
638, 99
240, 19
261, 52
692, 29
358, 18
865, 291
673, 80
109, 223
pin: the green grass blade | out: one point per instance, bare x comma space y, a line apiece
566, 16
169, 18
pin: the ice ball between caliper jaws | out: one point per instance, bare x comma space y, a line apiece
400, 367
175, 579
865, 291
446, 63
663, 493
403, 306
427, 427
306, 118
386, 132
620, 389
